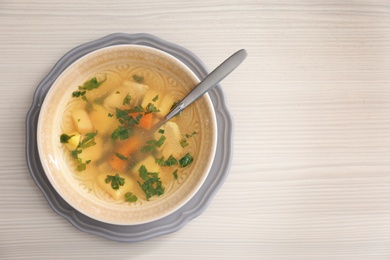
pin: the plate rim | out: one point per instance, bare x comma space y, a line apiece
176, 220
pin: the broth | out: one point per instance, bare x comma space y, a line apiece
106, 139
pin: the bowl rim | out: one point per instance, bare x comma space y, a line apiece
52, 91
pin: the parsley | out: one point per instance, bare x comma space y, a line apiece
138, 108
64, 138
175, 174
186, 160
121, 156
88, 141
151, 145
183, 142
155, 98
124, 118
138, 79
91, 84
110, 115
121, 133
191, 135
161, 131
152, 184
116, 181
78, 93
173, 105
130, 197
151, 108
88, 85
126, 100
169, 162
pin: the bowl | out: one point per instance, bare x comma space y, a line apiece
112, 64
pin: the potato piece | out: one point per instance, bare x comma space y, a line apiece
149, 96
82, 121
115, 99
74, 141
165, 105
93, 152
130, 185
137, 91
150, 164
101, 121
171, 146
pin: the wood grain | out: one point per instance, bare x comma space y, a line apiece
310, 177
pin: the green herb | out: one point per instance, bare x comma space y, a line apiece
78, 93
155, 98
116, 181
130, 197
161, 131
85, 98
121, 133
91, 84
151, 108
118, 92
124, 118
81, 167
121, 156
88, 140
191, 135
183, 142
175, 174
171, 161
151, 145
152, 184
75, 153
160, 161
138, 108
173, 105
126, 100
138, 79
186, 160
110, 115
64, 138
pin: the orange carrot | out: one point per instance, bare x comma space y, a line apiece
127, 148
145, 121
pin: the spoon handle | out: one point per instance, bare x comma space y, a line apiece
210, 81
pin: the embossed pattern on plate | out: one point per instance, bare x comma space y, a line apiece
172, 222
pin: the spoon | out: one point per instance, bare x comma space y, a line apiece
218, 74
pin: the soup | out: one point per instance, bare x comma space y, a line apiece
107, 140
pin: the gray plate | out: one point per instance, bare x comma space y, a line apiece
172, 222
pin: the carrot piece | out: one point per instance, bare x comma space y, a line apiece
145, 121
127, 148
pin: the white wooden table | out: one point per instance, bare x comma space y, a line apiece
310, 177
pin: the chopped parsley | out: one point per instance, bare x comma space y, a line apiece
183, 142
126, 100
175, 174
130, 197
161, 131
138, 79
121, 156
116, 181
88, 140
169, 162
151, 145
121, 133
64, 138
186, 160
88, 85
152, 184
155, 98
150, 108
110, 115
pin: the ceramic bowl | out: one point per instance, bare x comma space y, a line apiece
95, 203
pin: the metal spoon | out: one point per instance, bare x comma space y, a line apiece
218, 74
